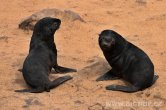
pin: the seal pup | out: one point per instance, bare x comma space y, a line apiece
42, 58
127, 61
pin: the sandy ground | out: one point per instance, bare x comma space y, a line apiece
142, 22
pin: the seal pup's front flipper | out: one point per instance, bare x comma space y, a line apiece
60, 69
110, 75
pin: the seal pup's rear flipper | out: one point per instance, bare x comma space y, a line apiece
51, 85
59, 81
128, 89
38, 90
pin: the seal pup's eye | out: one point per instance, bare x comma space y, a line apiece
54, 24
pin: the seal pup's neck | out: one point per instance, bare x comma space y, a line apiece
120, 46
39, 38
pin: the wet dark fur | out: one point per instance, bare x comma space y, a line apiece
42, 58
127, 61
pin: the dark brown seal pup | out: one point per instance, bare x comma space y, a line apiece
42, 58
127, 61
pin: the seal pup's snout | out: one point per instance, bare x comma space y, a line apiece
106, 42
56, 24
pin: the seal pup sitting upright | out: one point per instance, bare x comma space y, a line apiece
42, 58
127, 61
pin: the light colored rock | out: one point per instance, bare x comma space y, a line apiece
66, 15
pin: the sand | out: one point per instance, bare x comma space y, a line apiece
141, 22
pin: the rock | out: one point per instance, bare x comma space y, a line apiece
79, 102
141, 2
31, 101
96, 106
4, 38
96, 67
147, 94
158, 96
139, 94
66, 15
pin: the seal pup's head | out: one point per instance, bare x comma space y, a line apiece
107, 39
110, 40
46, 27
